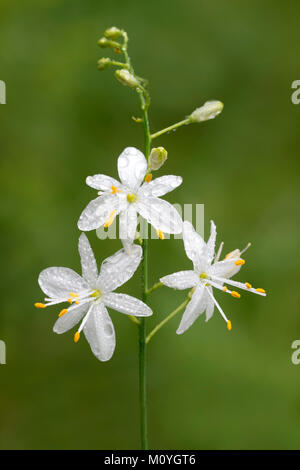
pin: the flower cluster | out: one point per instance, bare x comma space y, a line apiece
87, 297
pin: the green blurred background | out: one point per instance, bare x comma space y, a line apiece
64, 120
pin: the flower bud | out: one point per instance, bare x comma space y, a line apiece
112, 33
157, 158
104, 42
209, 110
126, 78
104, 63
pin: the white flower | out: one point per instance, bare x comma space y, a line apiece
208, 272
91, 293
131, 197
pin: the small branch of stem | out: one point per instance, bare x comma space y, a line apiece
171, 128
134, 319
154, 287
169, 317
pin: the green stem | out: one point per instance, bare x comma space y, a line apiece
171, 128
162, 323
142, 326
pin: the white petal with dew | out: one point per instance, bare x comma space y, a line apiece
100, 333
58, 282
88, 262
98, 211
161, 214
160, 186
132, 167
126, 304
71, 318
102, 182
181, 280
119, 268
194, 245
128, 223
193, 310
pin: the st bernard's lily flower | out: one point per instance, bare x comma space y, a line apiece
208, 273
136, 194
89, 295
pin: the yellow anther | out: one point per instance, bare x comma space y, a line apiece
262, 291
203, 276
77, 302
110, 219
70, 301
148, 178
160, 234
248, 285
225, 288
76, 337
114, 190
72, 294
240, 262
229, 325
39, 305
63, 312
131, 197
235, 294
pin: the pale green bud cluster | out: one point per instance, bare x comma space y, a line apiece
157, 158
104, 63
104, 42
209, 110
126, 78
112, 33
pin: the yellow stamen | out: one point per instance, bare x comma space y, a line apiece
70, 301
248, 285
114, 189
110, 219
39, 305
240, 262
76, 337
225, 288
229, 325
235, 294
148, 178
160, 234
72, 294
63, 312
77, 302
97, 293
203, 276
262, 291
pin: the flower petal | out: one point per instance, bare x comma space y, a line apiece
161, 186
161, 214
132, 167
181, 280
98, 211
59, 282
102, 182
128, 223
194, 308
194, 244
88, 262
210, 305
71, 318
211, 241
225, 268
126, 304
118, 268
100, 333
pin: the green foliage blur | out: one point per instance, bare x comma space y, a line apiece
64, 120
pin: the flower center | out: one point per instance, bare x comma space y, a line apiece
97, 294
131, 197
203, 276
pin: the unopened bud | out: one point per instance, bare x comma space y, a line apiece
104, 42
126, 78
209, 110
157, 158
113, 33
104, 63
